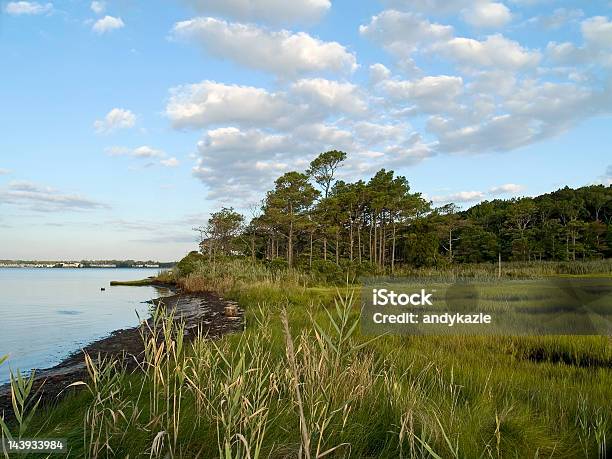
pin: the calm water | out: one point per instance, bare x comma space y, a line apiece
46, 314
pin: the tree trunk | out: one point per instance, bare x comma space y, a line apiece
310, 257
393, 249
337, 247
290, 241
359, 242
351, 237
325, 248
370, 244
375, 240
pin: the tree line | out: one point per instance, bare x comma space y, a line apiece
311, 217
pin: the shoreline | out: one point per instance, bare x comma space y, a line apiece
203, 311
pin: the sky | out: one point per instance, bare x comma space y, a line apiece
123, 124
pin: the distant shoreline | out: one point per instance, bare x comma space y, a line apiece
79, 267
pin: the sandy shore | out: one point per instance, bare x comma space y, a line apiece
199, 311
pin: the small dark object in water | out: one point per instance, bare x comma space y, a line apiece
102, 289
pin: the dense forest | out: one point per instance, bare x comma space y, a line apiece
312, 219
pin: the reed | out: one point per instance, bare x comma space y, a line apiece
302, 381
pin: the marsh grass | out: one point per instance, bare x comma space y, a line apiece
302, 381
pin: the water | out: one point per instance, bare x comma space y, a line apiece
46, 314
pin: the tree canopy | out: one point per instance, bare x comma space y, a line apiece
383, 223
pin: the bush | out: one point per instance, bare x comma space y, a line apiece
277, 264
189, 264
328, 272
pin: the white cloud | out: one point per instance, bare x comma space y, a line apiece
473, 196
208, 103
499, 133
147, 152
378, 73
234, 163
4, 171
281, 52
461, 196
430, 6
98, 7
117, 118
107, 24
271, 11
495, 51
144, 152
401, 32
431, 94
558, 18
45, 199
170, 162
507, 188
28, 8
344, 97
485, 14
597, 31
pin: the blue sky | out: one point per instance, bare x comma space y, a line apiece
124, 123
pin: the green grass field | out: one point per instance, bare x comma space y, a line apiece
302, 381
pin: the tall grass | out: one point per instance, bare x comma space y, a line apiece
302, 381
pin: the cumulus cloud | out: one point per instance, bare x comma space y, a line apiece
28, 8
473, 196
271, 11
107, 24
430, 6
595, 49
495, 51
117, 118
401, 32
98, 7
597, 31
507, 188
485, 14
239, 163
333, 95
233, 163
431, 94
208, 103
378, 73
405, 33
45, 199
281, 52
494, 95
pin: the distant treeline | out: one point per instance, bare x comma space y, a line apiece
310, 217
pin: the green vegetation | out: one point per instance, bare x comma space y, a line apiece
381, 225
323, 390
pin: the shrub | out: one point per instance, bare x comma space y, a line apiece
328, 272
189, 264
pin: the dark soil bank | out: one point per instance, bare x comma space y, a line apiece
203, 312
